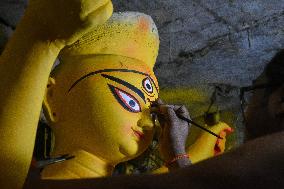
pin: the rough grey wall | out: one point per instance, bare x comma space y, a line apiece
10, 13
204, 43
213, 41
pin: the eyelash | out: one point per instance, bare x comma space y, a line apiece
119, 93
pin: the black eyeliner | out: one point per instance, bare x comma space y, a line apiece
126, 84
105, 70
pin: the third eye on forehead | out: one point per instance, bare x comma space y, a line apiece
147, 85
105, 71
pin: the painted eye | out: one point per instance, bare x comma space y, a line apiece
129, 102
147, 85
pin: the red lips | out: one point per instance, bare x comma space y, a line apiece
138, 134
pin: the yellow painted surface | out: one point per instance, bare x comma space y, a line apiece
90, 112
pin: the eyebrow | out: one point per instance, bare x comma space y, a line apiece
102, 71
126, 84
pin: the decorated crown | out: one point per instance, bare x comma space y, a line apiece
129, 34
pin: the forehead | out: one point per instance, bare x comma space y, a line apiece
127, 74
76, 69
135, 82
132, 77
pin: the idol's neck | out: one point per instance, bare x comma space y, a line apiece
84, 165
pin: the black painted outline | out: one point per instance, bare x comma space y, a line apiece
106, 70
148, 95
157, 89
120, 100
143, 84
126, 84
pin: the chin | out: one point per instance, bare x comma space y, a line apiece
132, 150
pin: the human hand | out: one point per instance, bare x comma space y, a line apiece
64, 22
174, 130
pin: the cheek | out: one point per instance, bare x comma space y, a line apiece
126, 129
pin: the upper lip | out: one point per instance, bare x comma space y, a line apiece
137, 133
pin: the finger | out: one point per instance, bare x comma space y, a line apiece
182, 111
101, 15
89, 6
160, 101
171, 114
176, 107
162, 112
154, 110
157, 103
161, 109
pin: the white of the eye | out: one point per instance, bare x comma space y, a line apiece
147, 83
127, 99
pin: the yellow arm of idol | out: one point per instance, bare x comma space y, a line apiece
206, 145
25, 66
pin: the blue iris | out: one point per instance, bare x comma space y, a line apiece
148, 86
132, 103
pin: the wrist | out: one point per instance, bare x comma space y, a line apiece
168, 154
179, 158
37, 31
179, 161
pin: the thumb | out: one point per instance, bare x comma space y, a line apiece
182, 111
171, 115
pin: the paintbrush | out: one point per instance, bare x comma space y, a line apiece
49, 161
197, 125
154, 105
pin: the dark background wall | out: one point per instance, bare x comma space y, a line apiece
206, 45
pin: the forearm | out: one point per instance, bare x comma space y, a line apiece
24, 68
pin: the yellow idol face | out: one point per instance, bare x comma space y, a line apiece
102, 103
